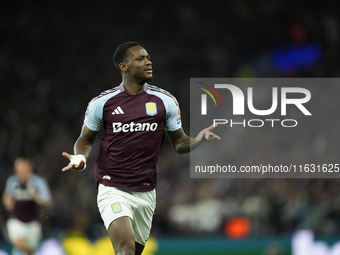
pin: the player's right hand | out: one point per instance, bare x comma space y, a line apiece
77, 162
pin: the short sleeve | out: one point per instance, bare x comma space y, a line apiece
43, 190
94, 115
10, 184
173, 116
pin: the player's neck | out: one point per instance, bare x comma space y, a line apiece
133, 88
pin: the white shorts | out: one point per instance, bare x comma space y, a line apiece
114, 203
30, 231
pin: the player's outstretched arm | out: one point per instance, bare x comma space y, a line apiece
181, 143
82, 149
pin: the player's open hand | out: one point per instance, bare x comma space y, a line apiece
77, 162
206, 134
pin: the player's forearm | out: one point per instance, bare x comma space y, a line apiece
187, 145
83, 146
182, 143
84, 143
40, 200
44, 203
8, 202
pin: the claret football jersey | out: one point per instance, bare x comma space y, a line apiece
25, 208
134, 126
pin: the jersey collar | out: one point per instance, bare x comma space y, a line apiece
121, 87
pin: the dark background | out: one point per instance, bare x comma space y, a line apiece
55, 56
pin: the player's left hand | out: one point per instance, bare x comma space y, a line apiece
206, 134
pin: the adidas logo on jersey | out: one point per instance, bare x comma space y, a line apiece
118, 110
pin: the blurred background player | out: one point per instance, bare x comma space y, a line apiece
24, 193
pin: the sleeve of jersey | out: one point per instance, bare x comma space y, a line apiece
9, 189
43, 190
94, 115
173, 115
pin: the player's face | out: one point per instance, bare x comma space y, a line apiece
23, 170
138, 65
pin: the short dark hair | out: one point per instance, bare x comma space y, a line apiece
121, 53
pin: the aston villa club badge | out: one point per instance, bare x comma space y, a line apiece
117, 208
151, 108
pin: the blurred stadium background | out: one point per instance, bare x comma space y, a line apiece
55, 56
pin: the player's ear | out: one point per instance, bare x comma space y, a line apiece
123, 67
